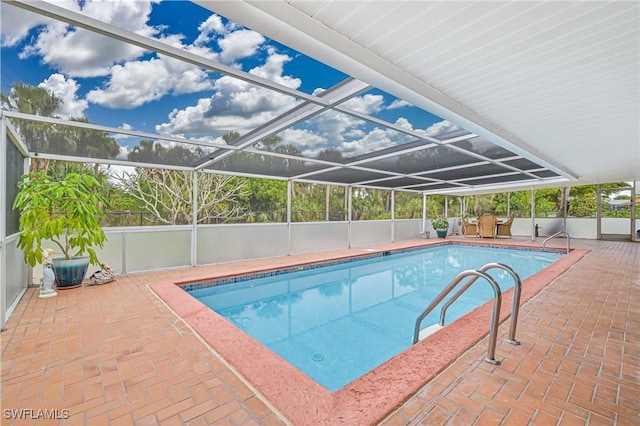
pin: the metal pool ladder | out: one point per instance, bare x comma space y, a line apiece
497, 301
557, 234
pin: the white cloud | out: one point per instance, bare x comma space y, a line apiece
374, 140
341, 132
331, 130
190, 120
123, 153
444, 126
79, 53
310, 144
126, 14
134, 81
398, 103
239, 44
318, 91
234, 42
403, 123
273, 70
367, 104
117, 136
15, 24
236, 105
139, 82
335, 126
213, 25
66, 90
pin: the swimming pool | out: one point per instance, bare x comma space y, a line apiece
338, 321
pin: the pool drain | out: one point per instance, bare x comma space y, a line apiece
317, 357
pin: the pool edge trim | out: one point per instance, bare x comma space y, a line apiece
369, 398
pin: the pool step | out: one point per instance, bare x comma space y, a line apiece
426, 332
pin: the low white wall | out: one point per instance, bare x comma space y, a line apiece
114, 252
319, 236
138, 249
368, 232
17, 276
407, 229
577, 227
615, 225
225, 243
157, 249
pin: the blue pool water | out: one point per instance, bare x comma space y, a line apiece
337, 322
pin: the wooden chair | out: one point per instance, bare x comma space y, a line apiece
504, 229
469, 228
487, 225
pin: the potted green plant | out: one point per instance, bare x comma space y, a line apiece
441, 225
65, 212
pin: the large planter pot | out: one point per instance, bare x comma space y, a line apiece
70, 272
442, 233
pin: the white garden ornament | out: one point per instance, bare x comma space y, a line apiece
48, 276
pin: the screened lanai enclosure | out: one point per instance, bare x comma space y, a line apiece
375, 113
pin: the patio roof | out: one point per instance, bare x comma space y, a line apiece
541, 94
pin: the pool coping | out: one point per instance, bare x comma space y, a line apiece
371, 397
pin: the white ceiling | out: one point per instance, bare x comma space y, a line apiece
556, 81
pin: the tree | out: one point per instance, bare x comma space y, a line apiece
89, 143
153, 152
369, 204
168, 195
83, 142
318, 202
55, 138
33, 100
408, 205
267, 199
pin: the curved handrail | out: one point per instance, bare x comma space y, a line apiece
563, 233
515, 307
495, 317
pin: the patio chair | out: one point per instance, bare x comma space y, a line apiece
487, 225
504, 229
469, 228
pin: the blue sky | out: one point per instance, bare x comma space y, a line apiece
119, 85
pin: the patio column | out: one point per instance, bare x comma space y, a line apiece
533, 213
289, 193
3, 228
393, 215
634, 211
446, 206
424, 214
598, 213
194, 220
327, 202
349, 212
565, 210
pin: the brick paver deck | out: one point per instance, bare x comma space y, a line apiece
115, 354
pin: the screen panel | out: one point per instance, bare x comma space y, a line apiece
499, 179
347, 176
13, 174
432, 158
266, 165
485, 148
437, 186
545, 174
523, 164
334, 136
467, 172
400, 182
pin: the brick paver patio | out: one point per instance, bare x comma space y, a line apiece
116, 354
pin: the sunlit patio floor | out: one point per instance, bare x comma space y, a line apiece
116, 354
